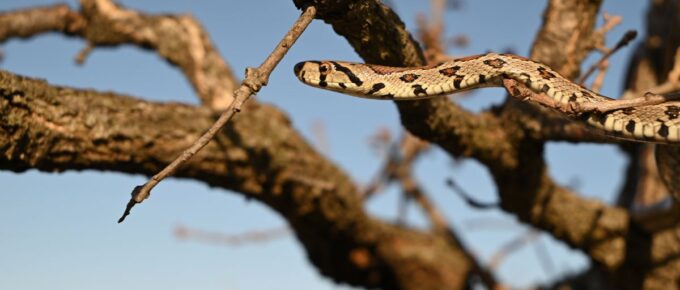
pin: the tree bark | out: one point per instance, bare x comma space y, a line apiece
260, 155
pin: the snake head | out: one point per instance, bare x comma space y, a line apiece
331, 75
314, 72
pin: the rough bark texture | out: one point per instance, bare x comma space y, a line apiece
496, 138
178, 39
261, 156
54, 129
651, 255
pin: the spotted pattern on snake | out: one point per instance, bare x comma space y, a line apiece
656, 123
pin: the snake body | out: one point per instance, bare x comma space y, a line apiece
656, 123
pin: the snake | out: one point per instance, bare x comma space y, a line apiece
659, 123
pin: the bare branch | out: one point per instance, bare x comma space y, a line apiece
399, 157
29, 22
258, 155
599, 78
468, 198
179, 39
625, 40
255, 79
508, 139
511, 246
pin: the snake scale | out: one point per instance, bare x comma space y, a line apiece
655, 123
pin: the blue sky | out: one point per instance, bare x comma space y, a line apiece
59, 230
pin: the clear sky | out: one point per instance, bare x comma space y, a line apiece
59, 231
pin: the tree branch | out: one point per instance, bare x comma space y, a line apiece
180, 40
498, 138
259, 155
255, 79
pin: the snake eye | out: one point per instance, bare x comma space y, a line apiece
324, 67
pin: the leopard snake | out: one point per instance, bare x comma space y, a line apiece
654, 123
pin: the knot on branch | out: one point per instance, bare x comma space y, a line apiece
254, 79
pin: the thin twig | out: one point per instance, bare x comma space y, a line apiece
625, 40
84, 53
402, 208
398, 156
384, 175
610, 21
397, 167
544, 258
413, 190
437, 12
255, 79
674, 74
512, 246
467, 198
430, 32
599, 78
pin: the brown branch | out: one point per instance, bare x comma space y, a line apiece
84, 53
655, 207
511, 246
397, 168
259, 155
501, 139
26, 23
413, 190
655, 68
255, 79
268, 162
610, 21
526, 190
399, 156
179, 39
599, 78
384, 146
514, 158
